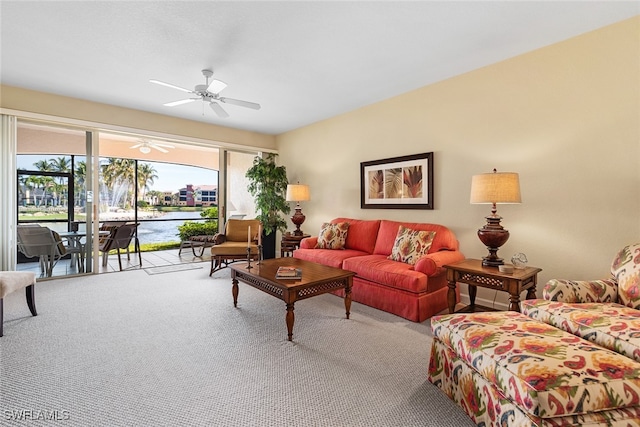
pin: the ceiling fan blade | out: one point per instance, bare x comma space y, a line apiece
218, 110
216, 86
182, 101
158, 148
158, 82
162, 144
137, 145
241, 103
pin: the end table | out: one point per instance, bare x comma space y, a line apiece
473, 273
289, 243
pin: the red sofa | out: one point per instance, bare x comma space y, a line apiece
415, 292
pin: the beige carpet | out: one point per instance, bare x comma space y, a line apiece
129, 349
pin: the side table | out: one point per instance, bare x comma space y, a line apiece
289, 243
473, 273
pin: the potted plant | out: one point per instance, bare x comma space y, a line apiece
268, 184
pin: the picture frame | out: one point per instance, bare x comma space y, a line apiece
404, 182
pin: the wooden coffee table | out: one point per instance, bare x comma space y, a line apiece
316, 279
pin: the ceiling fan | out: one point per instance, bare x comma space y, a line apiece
145, 146
209, 92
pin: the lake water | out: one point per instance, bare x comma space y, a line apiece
163, 230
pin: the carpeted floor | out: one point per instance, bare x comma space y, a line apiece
129, 349
172, 268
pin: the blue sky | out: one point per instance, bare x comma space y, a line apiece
171, 177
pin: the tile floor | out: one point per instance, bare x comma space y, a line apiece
65, 267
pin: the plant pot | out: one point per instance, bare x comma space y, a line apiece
269, 245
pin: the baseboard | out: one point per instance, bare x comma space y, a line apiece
497, 305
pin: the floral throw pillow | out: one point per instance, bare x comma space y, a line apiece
332, 236
411, 245
626, 270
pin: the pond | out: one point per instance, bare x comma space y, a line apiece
165, 228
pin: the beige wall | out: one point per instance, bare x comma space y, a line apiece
565, 117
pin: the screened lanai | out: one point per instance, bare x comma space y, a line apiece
74, 181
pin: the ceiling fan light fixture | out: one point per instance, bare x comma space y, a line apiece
145, 149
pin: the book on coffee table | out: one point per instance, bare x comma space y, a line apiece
289, 273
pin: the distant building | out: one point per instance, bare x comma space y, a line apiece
198, 195
208, 195
167, 198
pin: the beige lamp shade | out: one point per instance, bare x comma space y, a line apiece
496, 187
298, 193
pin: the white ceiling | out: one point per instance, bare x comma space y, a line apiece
302, 61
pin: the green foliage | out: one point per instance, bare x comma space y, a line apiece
190, 228
268, 185
210, 213
152, 247
143, 204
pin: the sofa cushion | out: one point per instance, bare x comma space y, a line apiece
393, 274
626, 270
609, 325
332, 236
329, 257
362, 233
443, 240
410, 245
548, 372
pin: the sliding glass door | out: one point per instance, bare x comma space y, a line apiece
51, 192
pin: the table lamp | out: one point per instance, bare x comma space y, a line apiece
298, 193
494, 188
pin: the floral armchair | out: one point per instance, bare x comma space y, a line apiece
623, 288
606, 312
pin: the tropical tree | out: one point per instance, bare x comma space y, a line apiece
80, 177
23, 188
60, 164
43, 165
119, 172
42, 183
146, 177
156, 196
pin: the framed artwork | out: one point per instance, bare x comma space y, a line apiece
397, 183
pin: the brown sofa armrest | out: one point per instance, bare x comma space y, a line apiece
432, 264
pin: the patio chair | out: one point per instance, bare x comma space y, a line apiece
120, 237
37, 241
232, 245
201, 241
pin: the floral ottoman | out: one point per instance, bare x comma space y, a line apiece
609, 325
506, 369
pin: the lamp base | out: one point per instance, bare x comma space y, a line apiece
493, 235
298, 219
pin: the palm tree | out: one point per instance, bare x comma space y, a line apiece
119, 172
80, 177
146, 177
156, 196
42, 182
43, 165
61, 164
